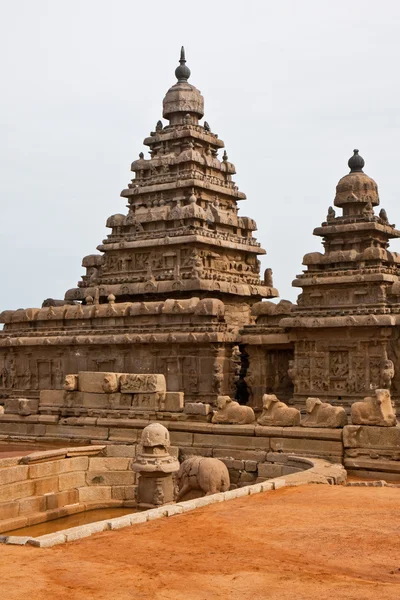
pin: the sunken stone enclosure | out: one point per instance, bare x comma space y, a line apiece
173, 323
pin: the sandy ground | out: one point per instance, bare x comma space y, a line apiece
314, 543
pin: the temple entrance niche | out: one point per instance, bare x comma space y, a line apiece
277, 379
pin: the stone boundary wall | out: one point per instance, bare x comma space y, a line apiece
317, 471
55, 483
364, 450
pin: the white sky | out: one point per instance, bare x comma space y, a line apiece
290, 86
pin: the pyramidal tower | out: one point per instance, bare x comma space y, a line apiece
182, 235
172, 284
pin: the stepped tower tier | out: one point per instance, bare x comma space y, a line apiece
182, 235
356, 272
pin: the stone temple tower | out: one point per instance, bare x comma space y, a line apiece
172, 284
346, 323
182, 236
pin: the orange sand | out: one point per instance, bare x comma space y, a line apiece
314, 543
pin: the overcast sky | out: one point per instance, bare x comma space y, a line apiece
291, 86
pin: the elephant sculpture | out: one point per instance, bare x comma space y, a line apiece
209, 475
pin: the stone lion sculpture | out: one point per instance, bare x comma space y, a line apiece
71, 383
322, 414
374, 410
387, 373
277, 413
209, 475
231, 412
111, 383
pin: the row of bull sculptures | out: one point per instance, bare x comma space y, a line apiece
374, 410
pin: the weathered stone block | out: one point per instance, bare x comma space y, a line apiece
98, 383
269, 470
51, 398
147, 401
121, 450
27, 406
181, 438
123, 435
289, 470
60, 499
368, 436
120, 401
231, 441
9, 510
174, 401
307, 446
94, 493
108, 464
77, 533
46, 485
56, 467
32, 505
110, 478
47, 541
84, 432
11, 406
13, 474
197, 408
119, 522
123, 492
142, 383
250, 465
277, 457
14, 491
252, 455
75, 479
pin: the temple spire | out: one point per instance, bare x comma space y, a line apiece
182, 73
356, 163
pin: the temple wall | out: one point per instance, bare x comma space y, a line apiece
191, 368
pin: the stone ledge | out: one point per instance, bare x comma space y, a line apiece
320, 471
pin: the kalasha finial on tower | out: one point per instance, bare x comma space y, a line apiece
182, 73
356, 163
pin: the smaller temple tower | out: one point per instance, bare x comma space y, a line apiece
344, 324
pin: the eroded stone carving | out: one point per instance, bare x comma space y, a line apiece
387, 373
143, 383
230, 411
374, 410
277, 414
322, 414
209, 475
71, 383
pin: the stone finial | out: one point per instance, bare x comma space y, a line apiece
182, 73
155, 434
356, 163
